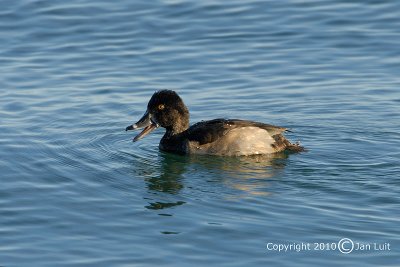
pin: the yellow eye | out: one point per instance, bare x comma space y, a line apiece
161, 107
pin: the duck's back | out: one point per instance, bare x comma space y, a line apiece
236, 138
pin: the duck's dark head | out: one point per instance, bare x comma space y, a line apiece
165, 109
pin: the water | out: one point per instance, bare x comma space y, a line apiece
75, 191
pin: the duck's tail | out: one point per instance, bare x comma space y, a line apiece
282, 144
295, 147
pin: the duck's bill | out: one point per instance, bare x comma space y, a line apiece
146, 123
146, 131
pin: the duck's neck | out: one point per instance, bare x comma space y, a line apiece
180, 125
177, 128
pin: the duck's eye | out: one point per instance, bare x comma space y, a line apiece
161, 107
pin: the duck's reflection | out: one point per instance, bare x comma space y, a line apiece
163, 205
243, 175
169, 180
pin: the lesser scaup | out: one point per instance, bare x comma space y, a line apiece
229, 137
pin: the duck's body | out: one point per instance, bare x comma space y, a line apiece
228, 138
225, 137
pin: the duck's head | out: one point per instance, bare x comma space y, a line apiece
165, 109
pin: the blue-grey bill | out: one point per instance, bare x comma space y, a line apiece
148, 129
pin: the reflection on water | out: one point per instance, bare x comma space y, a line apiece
169, 178
247, 175
163, 205
252, 174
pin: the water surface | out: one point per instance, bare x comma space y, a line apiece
77, 192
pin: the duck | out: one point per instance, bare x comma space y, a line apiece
222, 137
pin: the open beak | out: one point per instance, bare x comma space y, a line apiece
145, 122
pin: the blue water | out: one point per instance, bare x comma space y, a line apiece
75, 191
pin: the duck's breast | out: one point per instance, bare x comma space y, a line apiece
236, 142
